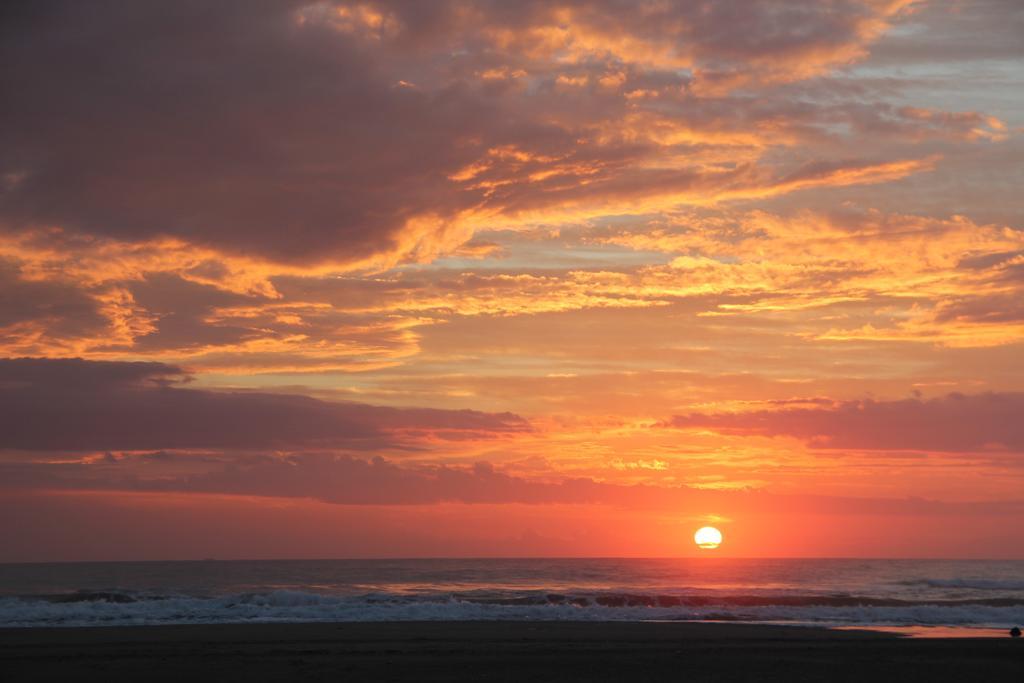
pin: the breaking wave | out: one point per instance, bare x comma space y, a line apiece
118, 608
969, 583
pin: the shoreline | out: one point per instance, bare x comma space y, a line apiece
902, 631
502, 651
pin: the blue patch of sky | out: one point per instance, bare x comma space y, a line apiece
994, 87
568, 249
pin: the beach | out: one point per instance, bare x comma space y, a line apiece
498, 651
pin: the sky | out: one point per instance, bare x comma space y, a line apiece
536, 278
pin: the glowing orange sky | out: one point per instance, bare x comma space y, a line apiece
536, 278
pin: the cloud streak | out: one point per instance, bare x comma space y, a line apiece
348, 480
78, 405
955, 422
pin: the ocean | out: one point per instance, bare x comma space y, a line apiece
825, 592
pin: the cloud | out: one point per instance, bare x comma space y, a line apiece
752, 39
196, 177
917, 278
953, 423
77, 405
54, 313
886, 277
348, 480
235, 126
363, 134
955, 33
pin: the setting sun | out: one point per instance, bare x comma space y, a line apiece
707, 538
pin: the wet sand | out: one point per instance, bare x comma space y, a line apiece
498, 651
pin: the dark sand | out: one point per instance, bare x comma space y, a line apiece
489, 651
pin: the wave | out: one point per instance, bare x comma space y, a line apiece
969, 583
114, 608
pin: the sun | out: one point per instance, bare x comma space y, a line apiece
708, 538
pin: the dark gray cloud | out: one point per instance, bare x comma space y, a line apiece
994, 309
60, 310
348, 480
180, 314
225, 124
77, 405
956, 422
277, 129
956, 32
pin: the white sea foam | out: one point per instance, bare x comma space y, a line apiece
299, 606
828, 592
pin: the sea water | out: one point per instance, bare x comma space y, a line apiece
830, 592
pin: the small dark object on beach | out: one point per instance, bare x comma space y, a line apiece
1015, 632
